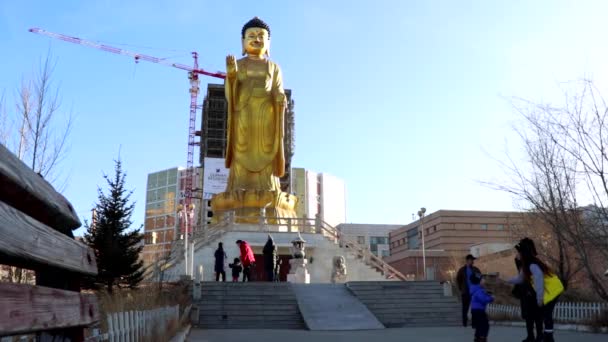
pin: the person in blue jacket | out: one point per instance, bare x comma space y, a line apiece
480, 299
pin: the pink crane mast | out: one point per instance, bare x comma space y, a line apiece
193, 72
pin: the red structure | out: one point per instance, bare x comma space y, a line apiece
193, 72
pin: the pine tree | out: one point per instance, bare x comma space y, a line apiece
116, 249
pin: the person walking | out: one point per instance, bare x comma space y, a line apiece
237, 268
247, 259
530, 311
270, 258
546, 284
480, 299
464, 284
220, 259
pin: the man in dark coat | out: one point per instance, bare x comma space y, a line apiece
464, 284
270, 258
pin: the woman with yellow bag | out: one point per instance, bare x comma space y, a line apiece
547, 285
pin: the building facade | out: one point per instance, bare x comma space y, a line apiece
319, 194
448, 237
162, 224
374, 236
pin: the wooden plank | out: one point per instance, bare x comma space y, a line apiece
24, 238
26, 308
27, 191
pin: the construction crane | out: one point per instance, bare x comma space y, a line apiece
193, 72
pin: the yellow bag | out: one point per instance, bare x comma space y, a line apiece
553, 288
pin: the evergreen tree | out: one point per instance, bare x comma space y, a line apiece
116, 249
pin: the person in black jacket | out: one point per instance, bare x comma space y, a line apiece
220, 258
530, 311
270, 258
463, 279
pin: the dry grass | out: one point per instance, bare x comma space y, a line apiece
146, 297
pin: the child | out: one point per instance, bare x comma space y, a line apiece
237, 268
479, 300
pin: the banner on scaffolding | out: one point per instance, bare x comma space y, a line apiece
215, 177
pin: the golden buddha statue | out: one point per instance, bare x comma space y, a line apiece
254, 150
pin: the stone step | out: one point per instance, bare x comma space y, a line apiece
282, 296
414, 311
400, 294
296, 317
407, 306
389, 289
250, 325
209, 306
246, 300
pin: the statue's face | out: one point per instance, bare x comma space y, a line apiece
256, 41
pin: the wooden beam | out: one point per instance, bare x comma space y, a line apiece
22, 237
27, 191
26, 308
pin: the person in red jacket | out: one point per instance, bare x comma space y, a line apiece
247, 258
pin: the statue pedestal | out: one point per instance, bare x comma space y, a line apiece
248, 204
298, 273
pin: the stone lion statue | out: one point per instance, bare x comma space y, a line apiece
338, 273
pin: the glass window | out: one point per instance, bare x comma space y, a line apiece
384, 253
172, 177
148, 238
501, 227
162, 179
378, 240
412, 238
169, 235
170, 221
484, 226
361, 240
152, 180
160, 222
160, 194
149, 224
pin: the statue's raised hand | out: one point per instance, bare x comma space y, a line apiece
231, 65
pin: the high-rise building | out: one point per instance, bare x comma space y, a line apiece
319, 194
164, 194
213, 136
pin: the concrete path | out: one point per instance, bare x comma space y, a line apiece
451, 334
333, 307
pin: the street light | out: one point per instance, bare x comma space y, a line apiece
421, 215
186, 215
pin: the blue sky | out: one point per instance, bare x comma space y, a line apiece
404, 100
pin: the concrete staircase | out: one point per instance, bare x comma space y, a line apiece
248, 306
408, 304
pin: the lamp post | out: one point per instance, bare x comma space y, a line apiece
187, 216
421, 216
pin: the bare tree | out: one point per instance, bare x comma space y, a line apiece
5, 126
42, 143
41, 139
547, 185
567, 156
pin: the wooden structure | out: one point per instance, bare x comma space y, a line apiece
36, 225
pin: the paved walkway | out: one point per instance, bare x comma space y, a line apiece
333, 307
452, 334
